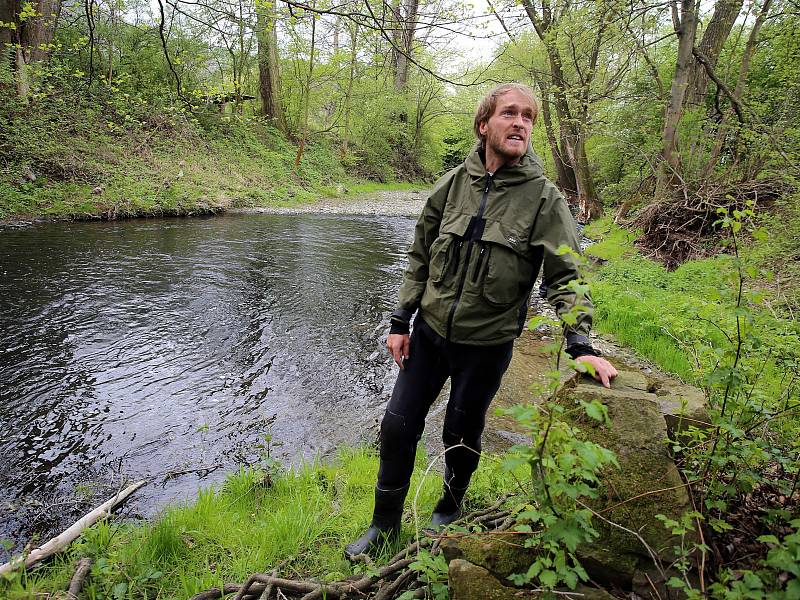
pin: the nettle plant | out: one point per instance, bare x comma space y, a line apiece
564, 469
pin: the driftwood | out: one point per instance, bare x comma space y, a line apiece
60, 542
81, 571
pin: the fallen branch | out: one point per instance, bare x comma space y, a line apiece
60, 542
81, 571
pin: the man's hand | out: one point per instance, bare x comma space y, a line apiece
604, 371
398, 344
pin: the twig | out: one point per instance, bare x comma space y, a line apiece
82, 569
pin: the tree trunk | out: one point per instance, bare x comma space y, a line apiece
403, 36
747, 57
306, 95
269, 69
588, 202
38, 31
565, 176
33, 37
8, 8
348, 99
686, 30
718, 30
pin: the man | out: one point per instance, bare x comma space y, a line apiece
485, 231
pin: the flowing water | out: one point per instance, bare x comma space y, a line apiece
168, 349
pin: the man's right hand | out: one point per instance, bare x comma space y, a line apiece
398, 344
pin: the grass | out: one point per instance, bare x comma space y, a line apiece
89, 166
684, 321
301, 518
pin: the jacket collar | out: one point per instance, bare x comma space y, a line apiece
530, 167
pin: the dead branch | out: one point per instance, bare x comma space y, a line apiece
81, 571
60, 542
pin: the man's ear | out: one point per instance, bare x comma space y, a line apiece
482, 127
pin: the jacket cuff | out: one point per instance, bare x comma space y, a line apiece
580, 345
400, 321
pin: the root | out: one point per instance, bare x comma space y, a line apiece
387, 582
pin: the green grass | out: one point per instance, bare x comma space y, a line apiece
301, 518
88, 166
684, 321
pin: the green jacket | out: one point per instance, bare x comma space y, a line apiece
478, 247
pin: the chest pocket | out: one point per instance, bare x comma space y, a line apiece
445, 249
510, 272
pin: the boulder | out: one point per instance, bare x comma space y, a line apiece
643, 412
470, 582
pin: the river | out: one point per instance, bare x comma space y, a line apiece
168, 349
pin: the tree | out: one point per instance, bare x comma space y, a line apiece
269, 66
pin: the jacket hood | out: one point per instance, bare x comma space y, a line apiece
530, 167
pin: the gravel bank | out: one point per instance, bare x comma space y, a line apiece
400, 203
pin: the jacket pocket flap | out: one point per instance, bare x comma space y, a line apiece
496, 233
455, 224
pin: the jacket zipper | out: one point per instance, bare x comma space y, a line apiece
463, 279
477, 270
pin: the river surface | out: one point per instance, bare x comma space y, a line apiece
167, 349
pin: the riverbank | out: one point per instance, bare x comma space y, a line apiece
110, 166
680, 320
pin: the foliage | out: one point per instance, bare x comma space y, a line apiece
716, 320
564, 473
257, 519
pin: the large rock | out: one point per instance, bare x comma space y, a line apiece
471, 582
646, 484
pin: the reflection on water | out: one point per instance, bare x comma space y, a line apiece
166, 349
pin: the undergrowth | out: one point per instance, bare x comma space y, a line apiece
257, 520
722, 324
109, 156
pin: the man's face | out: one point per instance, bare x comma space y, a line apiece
508, 130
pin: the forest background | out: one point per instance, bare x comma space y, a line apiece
672, 125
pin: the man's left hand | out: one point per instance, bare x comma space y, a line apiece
604, 371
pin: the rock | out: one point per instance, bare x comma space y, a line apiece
97, 190
682, 405
502, 554
471, 582
646, 484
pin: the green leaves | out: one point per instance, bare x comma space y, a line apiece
564, 472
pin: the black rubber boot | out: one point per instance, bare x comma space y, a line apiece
385, 526
448, 508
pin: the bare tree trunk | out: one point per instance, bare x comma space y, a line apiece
686, 28
406, 26
588, 202
718, 30
747, 56
269, 68
565, 176
348, 99
306, 94
113, 29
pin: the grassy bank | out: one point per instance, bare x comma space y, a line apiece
65, 157
684, 320
299, 519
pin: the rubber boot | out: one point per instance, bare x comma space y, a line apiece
448, 508
385, 523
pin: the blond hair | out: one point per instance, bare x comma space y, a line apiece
488, 104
